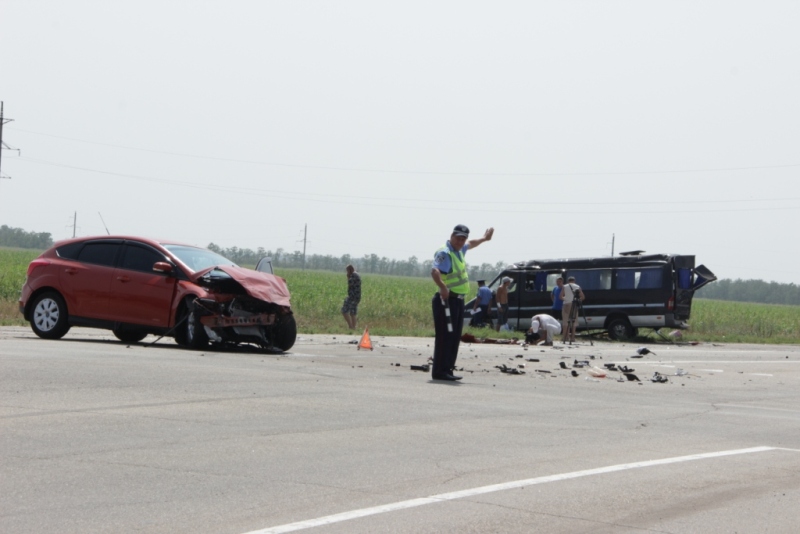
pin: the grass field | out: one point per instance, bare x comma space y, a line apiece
13, 265
744, 322
401, 306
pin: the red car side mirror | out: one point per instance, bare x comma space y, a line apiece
162, 267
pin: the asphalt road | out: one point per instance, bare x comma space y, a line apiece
98, 436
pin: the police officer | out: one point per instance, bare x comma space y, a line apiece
449, 272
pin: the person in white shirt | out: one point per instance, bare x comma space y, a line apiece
569, 293
543, 328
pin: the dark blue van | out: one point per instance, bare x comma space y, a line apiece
622, 294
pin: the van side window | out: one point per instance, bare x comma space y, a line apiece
640, 278
651, 279
536, 282
551, 280
512, 287
592, 280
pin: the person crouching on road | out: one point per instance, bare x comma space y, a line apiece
449, 272
543, 328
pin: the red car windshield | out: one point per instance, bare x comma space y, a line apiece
198, 259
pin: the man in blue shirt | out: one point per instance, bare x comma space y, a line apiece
482, 307
555, 297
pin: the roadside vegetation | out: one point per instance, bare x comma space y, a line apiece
13, 266
401, 306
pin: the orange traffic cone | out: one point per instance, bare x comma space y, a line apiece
365, 342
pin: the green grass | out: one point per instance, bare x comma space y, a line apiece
390, 305
743, 322
13, 265
401, 306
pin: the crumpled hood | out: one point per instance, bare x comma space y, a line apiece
262, 286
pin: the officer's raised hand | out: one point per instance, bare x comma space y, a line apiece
487, 236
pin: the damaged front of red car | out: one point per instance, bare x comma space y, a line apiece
236, 306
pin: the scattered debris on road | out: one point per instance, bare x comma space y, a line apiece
509, 370
469, 338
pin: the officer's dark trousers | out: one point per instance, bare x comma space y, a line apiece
445, 348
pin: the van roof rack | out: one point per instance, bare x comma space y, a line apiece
632, 253
593, 263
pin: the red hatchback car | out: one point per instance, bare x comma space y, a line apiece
136, 286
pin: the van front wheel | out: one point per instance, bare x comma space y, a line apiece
621, 330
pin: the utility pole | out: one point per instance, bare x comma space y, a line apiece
305, 239
74, 223
2, 143
613, 236
305, 236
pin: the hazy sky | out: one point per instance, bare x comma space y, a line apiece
674, 126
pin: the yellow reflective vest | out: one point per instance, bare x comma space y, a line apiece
457, 280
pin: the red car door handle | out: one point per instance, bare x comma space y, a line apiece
70, 270
123, 279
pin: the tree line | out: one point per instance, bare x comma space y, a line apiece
369, 263
736, 290
19, 238
752, 291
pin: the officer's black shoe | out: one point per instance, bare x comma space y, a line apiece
454, 377
448, 378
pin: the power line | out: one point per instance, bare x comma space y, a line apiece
348, 199
3, 144
421, 172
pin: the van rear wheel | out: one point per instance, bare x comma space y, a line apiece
621, 329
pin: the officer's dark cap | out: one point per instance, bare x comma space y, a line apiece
461, 230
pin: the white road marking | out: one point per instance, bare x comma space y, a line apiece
442, 497
759, 408
716, 362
